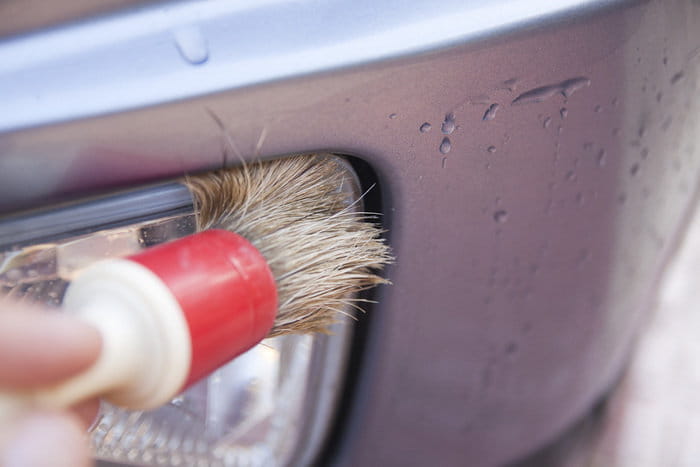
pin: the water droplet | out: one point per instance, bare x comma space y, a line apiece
597, 108
536, 95
511, 84
665, 61
634, 169
667, 123
490, 113
615, 131
560, 129
602, 158
644, 153
570, 86
580, 200
444, 162
563, 112
448, 126
571, 175
622, 198
583, 256
425, 127
677, 77
615, 102
191, 44
547, 121
567, 88
587, 146
659, 96
393, 116
445, 145
500, 216
178, 401
491, 149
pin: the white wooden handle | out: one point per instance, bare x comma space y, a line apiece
146, 349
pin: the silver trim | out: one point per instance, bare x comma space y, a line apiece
85, 216
134, 59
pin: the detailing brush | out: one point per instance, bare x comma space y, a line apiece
280, 250
321, 250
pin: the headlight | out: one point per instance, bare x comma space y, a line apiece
271, 406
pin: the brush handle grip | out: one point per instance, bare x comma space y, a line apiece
145, 354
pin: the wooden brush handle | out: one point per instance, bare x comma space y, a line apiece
145, 355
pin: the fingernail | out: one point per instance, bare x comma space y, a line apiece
43, 439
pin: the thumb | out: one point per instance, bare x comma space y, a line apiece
43, 438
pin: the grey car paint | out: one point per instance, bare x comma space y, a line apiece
536, 162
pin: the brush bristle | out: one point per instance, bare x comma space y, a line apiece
321, 250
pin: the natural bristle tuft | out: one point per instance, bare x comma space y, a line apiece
321, 250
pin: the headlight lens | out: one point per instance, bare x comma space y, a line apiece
271, 406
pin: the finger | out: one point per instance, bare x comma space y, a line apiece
39, 348
86, 412
55, 439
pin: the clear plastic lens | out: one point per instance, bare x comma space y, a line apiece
271, 406
242, 415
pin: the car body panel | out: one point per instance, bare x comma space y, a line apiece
530, 221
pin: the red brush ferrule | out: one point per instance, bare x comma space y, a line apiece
226, 292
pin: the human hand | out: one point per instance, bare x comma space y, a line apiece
39, 349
